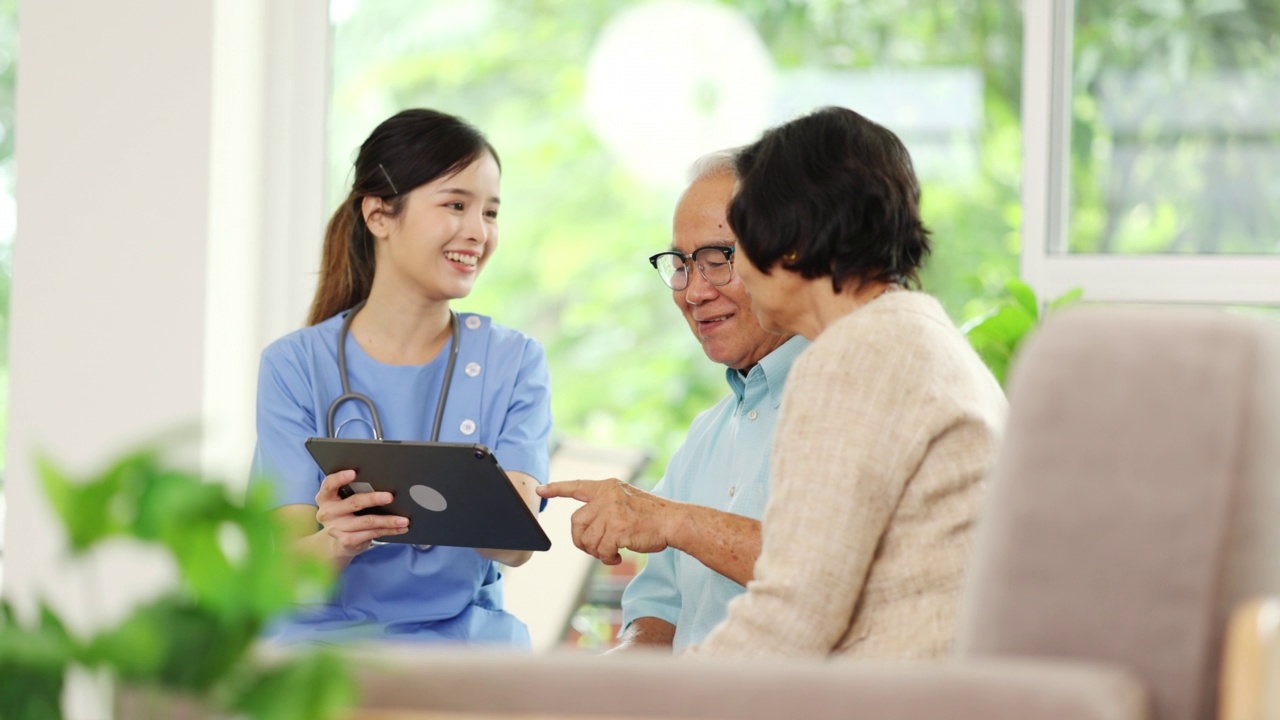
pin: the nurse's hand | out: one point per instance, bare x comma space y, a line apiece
352, 534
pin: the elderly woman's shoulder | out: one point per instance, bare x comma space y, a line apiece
899, 310
905, 337
903, 324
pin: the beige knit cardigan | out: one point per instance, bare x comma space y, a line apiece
888, 425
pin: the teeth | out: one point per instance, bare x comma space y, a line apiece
470, 260
717, 319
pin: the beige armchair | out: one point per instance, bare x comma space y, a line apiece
1135, 503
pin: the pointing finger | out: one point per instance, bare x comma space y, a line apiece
581, 490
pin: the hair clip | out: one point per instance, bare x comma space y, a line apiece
390, 182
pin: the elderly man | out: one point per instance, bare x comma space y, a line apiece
701, 524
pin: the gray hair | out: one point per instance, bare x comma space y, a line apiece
720, 162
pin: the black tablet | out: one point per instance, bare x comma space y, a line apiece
452, 493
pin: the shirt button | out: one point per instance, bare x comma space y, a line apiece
467, 427
472, 369
753, 415
473, 323
732, 490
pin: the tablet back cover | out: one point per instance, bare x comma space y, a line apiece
453, 493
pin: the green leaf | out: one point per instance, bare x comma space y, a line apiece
1004, 327
173, 644
997, 334
317, 686
1024, 297
1070, 297
82, 507
33, 664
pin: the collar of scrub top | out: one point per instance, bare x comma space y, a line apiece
361, 398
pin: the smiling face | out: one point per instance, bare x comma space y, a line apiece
444, 234
720, 317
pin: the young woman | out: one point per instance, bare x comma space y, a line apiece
420, 224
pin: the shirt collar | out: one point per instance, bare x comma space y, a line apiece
774, 367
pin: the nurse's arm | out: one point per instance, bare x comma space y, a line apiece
525, 485
331, 530
300, 524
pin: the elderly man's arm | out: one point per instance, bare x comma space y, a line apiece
619, 515
726, 543
646, 634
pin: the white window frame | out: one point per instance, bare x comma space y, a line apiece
1046, 265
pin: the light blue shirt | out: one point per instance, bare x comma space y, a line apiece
723, 464
499, 397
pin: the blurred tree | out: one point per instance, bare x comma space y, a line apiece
1175, 127
577, 227
1162, 160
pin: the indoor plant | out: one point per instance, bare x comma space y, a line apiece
192, 646
997, 334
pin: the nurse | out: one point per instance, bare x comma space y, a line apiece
420, 224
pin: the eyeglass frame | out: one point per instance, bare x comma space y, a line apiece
728, 251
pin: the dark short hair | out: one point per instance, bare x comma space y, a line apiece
830, 193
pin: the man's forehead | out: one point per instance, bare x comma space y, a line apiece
690, 244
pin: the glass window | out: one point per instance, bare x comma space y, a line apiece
1175, 132
597, 109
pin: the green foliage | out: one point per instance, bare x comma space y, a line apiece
577, 227
314, 686
235, 572
1169, 148
32, 664
998, 333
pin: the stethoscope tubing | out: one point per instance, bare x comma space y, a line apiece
348, 395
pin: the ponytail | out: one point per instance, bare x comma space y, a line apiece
346, 264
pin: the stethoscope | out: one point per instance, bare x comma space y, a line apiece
376, 425
346, 395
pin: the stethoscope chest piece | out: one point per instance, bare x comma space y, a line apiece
375, 422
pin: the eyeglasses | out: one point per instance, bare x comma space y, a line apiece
715, 262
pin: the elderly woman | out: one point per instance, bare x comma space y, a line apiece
889, 419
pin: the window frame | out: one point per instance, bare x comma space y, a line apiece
1046, 265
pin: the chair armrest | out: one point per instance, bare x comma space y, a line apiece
1250, 676
453, 683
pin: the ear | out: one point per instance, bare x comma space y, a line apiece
374, 209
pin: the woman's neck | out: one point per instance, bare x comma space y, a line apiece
827, 306
400, 330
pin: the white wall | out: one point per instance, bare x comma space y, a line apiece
107, 334
107, 331
170, 199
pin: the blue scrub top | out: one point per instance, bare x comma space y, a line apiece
500, 397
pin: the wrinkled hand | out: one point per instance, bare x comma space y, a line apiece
616, 515
351, 533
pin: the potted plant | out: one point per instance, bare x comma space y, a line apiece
997, 334
190, 652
